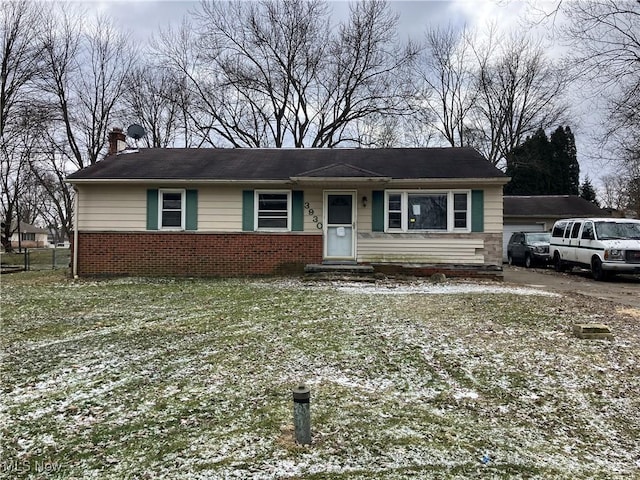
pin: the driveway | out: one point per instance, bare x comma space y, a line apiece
622, 289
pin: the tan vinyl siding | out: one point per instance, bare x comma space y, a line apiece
112, 208
312, 196
493, 210
220, 209
418, 248
124, 208
364, 213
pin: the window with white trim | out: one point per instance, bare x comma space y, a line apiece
394, 205
460, 210
171, 212
426, 211
273, 210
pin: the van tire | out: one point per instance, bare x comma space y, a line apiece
558, 264
596, 270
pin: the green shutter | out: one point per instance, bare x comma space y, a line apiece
297, 211
192, 210
377, 211
152, 209
477, 210
247, 210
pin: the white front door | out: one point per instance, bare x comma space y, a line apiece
339, 225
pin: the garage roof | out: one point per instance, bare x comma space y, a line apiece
550, 206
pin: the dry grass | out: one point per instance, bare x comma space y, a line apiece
137, 378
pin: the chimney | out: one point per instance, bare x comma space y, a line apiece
116, 141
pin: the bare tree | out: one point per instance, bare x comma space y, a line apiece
276, 73
21, 21
450, 79
519, 91
365, 74
604, 36
87, 66
155, 99
613, 191
55, 197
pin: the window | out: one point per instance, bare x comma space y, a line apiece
460, 208
29, 237
587, 231
427, 211
272, 210
575, 229
172, 212
558, 229
395, 210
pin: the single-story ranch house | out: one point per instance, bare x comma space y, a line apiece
28, 236
236, 212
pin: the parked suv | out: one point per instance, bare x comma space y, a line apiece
528, 248
603, 245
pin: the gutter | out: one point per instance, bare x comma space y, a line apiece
173, 181
493, 181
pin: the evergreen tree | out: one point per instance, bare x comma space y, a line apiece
588, 192
564, 167
527, 165
544, 166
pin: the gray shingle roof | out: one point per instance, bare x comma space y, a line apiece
550, 206
284, 164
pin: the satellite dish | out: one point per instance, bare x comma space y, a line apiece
136, 132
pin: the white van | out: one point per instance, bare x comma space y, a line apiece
604, 245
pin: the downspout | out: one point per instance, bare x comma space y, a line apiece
74, 272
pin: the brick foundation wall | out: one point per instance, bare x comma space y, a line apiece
195, 254
457, 271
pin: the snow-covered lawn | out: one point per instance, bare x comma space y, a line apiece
145, 379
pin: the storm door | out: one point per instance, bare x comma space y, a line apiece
339, 231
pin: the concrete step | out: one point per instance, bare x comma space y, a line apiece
344, 272
338, 268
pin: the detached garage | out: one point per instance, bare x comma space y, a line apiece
537, 213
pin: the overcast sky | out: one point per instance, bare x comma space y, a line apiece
141, 18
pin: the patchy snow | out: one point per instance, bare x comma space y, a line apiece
187, 379
438, 289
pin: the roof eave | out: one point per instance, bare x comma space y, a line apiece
175, 181
492, 181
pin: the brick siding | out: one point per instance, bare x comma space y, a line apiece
195, 254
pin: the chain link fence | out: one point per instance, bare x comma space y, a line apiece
35, 259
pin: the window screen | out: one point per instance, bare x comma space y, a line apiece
395, 211
171, 209
459, 210
273, 210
